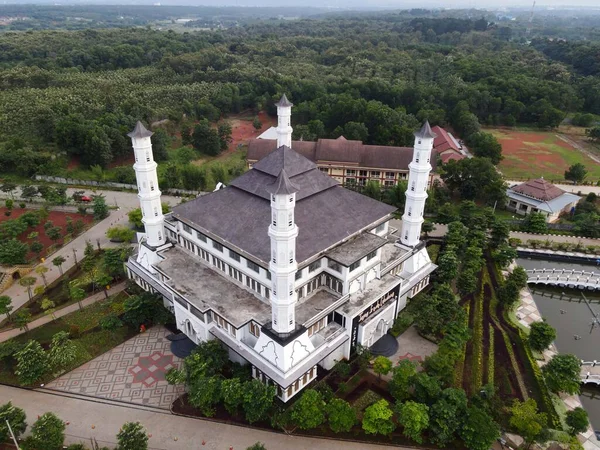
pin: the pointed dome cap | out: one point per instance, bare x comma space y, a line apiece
425, 132
284, 102
140, 131
282, 185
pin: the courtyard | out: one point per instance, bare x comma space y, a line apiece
132, 372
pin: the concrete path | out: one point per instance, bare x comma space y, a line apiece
9, 334
126, 201
102, 421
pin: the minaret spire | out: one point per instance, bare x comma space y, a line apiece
284, 128
147, 181
283, 232
418, 179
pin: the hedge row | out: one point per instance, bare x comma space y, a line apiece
491, 362
460, 364
477, 363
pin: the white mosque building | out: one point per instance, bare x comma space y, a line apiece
289, 270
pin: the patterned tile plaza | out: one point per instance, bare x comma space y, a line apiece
132, 372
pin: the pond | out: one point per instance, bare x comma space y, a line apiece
571, 317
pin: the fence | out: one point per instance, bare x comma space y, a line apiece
109, 184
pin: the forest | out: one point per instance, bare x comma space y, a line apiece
75, 94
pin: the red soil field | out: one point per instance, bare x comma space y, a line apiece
243, 130
513, 145
58, 218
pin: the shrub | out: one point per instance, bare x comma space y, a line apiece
47, 433
308, 411
341, 415
120, 233
15, 417
74, 331
22, 205
110, 322
132, 436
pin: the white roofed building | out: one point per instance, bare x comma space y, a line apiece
540, 196
288, 269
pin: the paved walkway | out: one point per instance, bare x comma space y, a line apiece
87, 419
412, 346
126, 201
528, 313
9, 334
133, 372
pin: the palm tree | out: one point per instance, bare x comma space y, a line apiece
58, 262
41, 270
28, 282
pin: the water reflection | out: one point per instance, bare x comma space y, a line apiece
572, 318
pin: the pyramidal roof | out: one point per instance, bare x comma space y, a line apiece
425, 132
282, 185
284, 158
284, 102
140, 131
539, 189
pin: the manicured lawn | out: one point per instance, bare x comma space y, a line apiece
534, 154
92, 342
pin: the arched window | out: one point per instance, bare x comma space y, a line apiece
148, 156
291, 257
291, 290
419, 141
155, 211
291, 198
409, 211
418, 156
274, 219
412, 186
290, 219
159, 236
272, 197
152, 185
274, 256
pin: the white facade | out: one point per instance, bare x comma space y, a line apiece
284, 121
147, 181
416, 194
284, 319
283, 233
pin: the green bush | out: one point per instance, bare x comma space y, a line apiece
110, 322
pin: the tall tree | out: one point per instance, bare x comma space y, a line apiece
377, 419
32, 363
576, 173
527, 421
309, 410
58, 262
563, 373
414, 418
541, 335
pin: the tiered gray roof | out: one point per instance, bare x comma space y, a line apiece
326, 213
282, 185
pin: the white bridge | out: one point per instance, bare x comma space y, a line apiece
590, 372
578, 279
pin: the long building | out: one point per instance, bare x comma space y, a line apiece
351, 162
284, 266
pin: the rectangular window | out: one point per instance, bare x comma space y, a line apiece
196, 312
298, 274
333, 265
350, 172
233, 255
187, 229
390, 175
375, 174
253, 266
380, 228
254, 329
268, 275
354, 265
371, 255
388, 183
314, 328
217, 246
314, 266
324, 169
201, 236
267, 294
362, 173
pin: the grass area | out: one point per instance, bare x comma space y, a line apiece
533, 154
433, 251
91, 343
504, 214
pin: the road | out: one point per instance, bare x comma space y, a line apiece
126, 201
92, 419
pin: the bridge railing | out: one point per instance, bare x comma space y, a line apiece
563, 276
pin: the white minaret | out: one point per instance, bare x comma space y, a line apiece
284, 127
283, 232
147, 181
416, 193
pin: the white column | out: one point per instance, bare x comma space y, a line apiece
283, 232
416, 194
284, 128
147, 181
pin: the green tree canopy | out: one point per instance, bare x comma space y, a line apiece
340, 415
541, 335
309, 410
563, 373
132, 436
414, 418
377, 418
16, 418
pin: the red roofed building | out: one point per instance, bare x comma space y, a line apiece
446, 145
